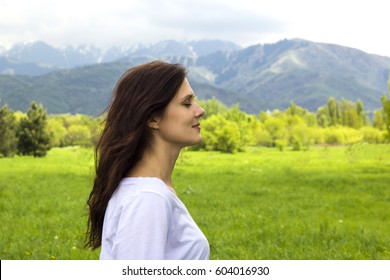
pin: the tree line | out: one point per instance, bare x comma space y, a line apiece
226, 129
337, 122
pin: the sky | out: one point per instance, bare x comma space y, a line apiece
361, 24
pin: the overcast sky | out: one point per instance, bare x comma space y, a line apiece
361, 24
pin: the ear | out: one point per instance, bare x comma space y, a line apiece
153, 123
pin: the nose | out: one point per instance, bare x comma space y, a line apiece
199, 111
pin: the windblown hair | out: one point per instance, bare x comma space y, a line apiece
142, 92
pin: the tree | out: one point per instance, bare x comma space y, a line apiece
8, 125
78, 135
246, 125
323, 118
276, 128
382, 117
352, 114
329, 115
57, 130
220, 134
386, 110
379, 120
34, 138
212, 107
334, 112
361, 113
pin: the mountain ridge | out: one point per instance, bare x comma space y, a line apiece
259, 77
47, 58
302, 68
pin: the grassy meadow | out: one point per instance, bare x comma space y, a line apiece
324, 203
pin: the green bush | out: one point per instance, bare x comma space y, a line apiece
333, 136
8, 127
276, 128
78, 135
220, 134
263, 137
301, 138
281, 144
317, 135
342, 135
58, 131
372, 135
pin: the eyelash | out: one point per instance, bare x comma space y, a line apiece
188, 103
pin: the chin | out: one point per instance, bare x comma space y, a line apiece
196, 142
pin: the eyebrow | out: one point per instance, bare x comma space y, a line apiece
189, 96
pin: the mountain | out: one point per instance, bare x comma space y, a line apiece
84, 90
259, 77
273, 75
37, 58
12, 67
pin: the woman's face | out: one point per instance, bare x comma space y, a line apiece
179, 125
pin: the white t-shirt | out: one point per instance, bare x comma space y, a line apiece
145, 220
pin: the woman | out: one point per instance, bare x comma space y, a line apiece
134, 211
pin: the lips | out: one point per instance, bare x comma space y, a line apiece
197, 126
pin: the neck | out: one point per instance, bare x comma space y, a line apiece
157, 163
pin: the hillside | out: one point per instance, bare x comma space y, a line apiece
37, 58
271, 76
260, 77
85, 90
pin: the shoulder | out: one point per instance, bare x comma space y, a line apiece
144, 185
136, 188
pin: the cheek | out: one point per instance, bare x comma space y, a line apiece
170, 126
175, 125
177, 117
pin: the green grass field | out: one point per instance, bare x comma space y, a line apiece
325, 203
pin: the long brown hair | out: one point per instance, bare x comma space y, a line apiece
141, 92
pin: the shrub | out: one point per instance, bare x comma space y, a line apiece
280, 144
333, 136
263, 137
220, 134
8, 126
301, 138
371, 135
78, 135
342, 135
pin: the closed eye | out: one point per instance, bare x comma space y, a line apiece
187, 102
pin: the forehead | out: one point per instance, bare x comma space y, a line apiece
185, 90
